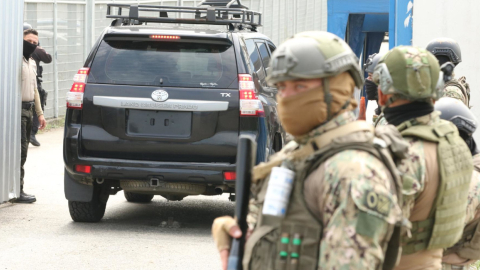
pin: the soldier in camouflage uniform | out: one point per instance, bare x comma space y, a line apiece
436, 174
467, 250
448, 50
344, 203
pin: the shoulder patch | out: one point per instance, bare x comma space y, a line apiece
376, 200
378, 203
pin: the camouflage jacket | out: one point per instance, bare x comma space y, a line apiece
413, 169
414, 175
356, 230
454, 89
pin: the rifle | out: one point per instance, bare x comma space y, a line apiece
246, 151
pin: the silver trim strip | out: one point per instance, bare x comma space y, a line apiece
169, 105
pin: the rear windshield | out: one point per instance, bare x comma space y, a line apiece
161, 63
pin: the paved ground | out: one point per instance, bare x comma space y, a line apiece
131, 236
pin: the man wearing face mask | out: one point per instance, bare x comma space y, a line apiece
448, 50
30, 99
371, 87
39, 55
342, 203
437, 172
467, 250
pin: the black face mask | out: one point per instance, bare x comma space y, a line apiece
399, 114
28, 49
372, 90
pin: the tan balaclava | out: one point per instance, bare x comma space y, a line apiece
303, 112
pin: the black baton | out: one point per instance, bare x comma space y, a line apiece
246, 151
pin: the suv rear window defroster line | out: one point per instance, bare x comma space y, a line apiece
164, 63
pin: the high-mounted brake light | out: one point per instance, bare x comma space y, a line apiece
75, 96
229, 176
250, 105
164, 37
83, 168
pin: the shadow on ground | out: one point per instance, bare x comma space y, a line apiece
173, 216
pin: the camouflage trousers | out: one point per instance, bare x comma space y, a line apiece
27, 119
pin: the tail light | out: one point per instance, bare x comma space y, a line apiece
75, 96
83, 168
229, 176
250, 105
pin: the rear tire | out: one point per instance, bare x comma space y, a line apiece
86, 211
137, 197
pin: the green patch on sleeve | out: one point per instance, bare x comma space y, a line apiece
369, 225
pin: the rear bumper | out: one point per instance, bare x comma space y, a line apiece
120, 169
205, 173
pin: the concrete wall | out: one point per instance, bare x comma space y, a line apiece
11, 45
458, 20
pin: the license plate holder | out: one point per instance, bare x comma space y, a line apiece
159, 123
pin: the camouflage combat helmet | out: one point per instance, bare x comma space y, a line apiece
446, 47
372, 62
459, 114
311, 55
411, 73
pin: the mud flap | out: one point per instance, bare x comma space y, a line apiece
75, 191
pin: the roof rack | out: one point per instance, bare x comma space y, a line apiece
217, 13
223, 3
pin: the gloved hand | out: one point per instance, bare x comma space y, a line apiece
223, 229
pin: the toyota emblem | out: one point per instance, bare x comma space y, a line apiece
159, 95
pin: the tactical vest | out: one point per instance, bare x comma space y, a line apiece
293, 242
445, 224
462, 85
469, 245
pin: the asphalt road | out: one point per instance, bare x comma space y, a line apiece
130, 236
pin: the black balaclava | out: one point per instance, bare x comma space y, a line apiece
372, 90
372, 94
442, 59
28, 49
399, 114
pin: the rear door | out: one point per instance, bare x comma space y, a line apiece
165, 99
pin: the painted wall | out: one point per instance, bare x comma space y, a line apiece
458, 20
11, 44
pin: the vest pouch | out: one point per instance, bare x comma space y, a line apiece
300, 243
262, 247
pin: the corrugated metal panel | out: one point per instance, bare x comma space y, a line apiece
11, 45
70, 45
281, 18
284, 18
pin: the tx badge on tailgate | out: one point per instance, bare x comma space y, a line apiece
159, 95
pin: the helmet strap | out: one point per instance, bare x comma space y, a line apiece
328, 97
390, 101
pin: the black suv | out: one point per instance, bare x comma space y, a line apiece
158, 110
